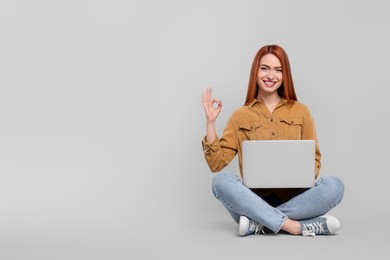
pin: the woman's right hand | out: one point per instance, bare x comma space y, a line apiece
211, 111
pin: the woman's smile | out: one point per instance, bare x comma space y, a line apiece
269, 83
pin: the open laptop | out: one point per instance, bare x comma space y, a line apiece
278, 163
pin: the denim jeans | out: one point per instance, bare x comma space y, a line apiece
240, 200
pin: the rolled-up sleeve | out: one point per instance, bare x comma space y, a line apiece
221, 151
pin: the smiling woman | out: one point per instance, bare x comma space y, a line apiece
271, 55
271, 112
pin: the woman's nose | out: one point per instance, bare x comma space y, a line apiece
271, 74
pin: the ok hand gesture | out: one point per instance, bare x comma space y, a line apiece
211, 111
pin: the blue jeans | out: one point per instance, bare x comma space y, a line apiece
240, 200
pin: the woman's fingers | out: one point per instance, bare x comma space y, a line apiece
212, 106
206, 96
208, 93
216, 101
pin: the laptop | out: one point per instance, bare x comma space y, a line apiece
278, 163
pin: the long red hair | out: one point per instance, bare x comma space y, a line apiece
286, 90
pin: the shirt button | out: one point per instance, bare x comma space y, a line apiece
292, 122
271, 120
273, 133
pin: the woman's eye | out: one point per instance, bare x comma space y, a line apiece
264, 69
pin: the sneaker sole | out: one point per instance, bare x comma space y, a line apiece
243, 225
333, 223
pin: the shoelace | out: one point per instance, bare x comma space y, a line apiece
311, 229
259, 229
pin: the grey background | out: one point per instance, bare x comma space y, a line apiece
101, 123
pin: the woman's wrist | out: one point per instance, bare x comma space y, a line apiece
210, 122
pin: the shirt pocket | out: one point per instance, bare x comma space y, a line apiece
291, 127
251, 131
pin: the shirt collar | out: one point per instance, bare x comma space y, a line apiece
283, 101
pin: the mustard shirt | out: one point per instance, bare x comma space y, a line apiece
256, 122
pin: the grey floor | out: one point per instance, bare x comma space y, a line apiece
202, 236
353, 240
114, 220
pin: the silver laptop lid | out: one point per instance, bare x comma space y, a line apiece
278, 163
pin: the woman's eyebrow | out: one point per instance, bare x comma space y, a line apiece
264, 65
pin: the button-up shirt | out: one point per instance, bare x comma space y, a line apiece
255, 122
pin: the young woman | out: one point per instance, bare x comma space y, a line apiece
271, 111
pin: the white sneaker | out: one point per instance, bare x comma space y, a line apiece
249, 227
323, 225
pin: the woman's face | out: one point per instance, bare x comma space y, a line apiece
269, 76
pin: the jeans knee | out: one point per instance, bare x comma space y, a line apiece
221, 181
335, 186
